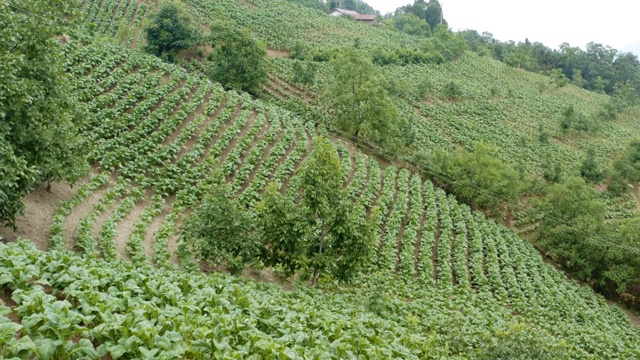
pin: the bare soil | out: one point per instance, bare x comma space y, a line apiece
155, 225
223, 129
191, 142
267, 275
277, 90
73, 219
40, 207
174, 238
419, 241
258, 138
5, 298
278, 53
307, 152
243, 132
633, 318
126, 226
199, 110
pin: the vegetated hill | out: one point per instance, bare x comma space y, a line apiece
498, 105
444, 282
493, 103
280, 23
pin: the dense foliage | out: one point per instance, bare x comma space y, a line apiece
238, 61
598, 67
477, 177
39, 115
428, 12
443, 281
361, 105
326, 233
169, 32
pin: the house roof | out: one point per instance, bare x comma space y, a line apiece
347, 12
365, 17
355, 15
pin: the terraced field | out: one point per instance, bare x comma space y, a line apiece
160, 137
445, 282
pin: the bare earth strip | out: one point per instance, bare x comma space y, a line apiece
155, 225
298, 165
73, 219
40, 207
199, 110
126, 226
191, 142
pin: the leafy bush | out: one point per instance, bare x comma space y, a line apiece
238, 60
590, 170
478, 177
169, 32
453, 90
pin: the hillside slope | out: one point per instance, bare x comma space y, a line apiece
158, 133
445, 282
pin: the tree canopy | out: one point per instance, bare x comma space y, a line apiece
476, 177
39, 116
221, 230
324, 232
358, 99
598, 67
572, 227
169, 32
410, 24
238, 60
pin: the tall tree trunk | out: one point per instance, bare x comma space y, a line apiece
48, 185
358, 126
316, 272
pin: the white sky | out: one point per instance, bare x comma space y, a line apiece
551, 22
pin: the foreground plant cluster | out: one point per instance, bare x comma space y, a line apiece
66, 307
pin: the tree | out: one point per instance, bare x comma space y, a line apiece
433, 14
39, 116
571, 230
577, 78
623, 262
238, 60
590, 170
552, 171
281, 230
339, 232
624, 96
573, 119
543, 134
477, 178
359, 102
447, 43
304, 73
410, 24
453, 90
629, 164
326, 231
558, 78
221, 231
169, 32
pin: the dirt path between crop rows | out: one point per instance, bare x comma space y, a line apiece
40, 207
